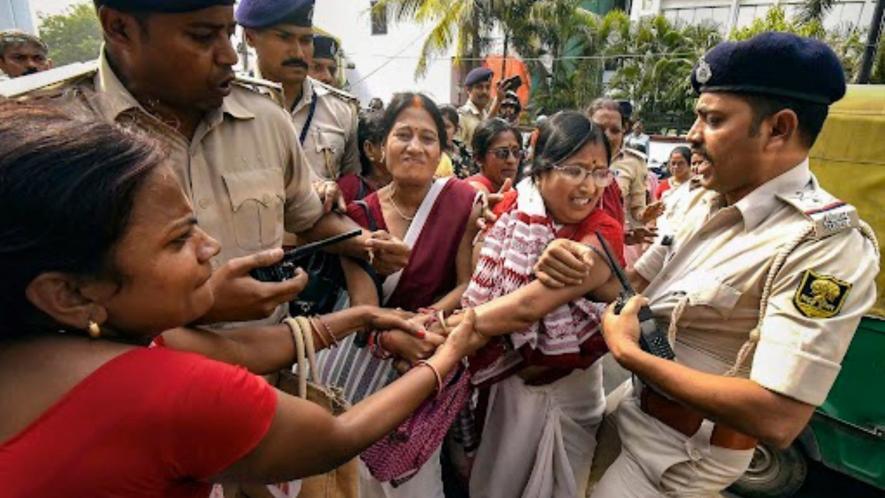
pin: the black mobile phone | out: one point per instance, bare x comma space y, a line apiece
513, 83
298, 257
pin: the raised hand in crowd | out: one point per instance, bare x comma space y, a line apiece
651, 212
640, 235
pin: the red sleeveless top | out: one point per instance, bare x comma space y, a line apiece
148, 423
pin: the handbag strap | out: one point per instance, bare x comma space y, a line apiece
307, 332
369, 218
300, 360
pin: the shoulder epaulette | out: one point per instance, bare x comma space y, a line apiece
47, 80
272, 90
340, 94
828, 214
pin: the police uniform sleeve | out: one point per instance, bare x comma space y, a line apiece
624, 176
303, 206
652, 260
815, 305
350, 162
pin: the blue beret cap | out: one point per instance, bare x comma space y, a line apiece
166, 6
775, 64
266, 13
324, 47
478, 75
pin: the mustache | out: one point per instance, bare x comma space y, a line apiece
295, 63
32, 70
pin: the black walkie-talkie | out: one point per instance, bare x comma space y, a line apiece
651, 338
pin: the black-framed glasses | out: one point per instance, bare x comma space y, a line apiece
503, 153
576, 174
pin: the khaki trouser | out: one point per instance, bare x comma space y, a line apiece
657, 461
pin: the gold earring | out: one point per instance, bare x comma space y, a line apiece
94, 330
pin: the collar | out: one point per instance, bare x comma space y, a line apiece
758, 204
309, 91
116, 98
471, 107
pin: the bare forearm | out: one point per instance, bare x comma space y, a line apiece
262, 349
452, 300
332, 224
380, 413
736, 402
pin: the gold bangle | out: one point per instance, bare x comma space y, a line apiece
439, 382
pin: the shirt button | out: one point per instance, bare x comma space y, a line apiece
267, 198
204, 203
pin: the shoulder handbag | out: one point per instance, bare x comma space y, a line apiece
341, 482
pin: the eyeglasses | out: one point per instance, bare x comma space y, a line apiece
577, 174
503, 153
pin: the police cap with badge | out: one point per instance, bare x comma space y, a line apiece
478, 75
259, 14
324, 47
772, 64
164, 6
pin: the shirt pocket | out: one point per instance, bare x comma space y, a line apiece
330, 147
256, 203
708, 297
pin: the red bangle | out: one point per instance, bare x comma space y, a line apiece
376, 348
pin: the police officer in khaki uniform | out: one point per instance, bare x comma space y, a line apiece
632, 177
325, 60
325, 118
234, 150
480, 105
760, 290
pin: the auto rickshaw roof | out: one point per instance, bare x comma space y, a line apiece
849, 161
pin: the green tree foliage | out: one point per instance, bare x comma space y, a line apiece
846, 41
655, 59
466, 23
73, 36
563, 44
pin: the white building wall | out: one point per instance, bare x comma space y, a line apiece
740, 13
385, 64
16, 14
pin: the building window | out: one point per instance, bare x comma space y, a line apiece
379, 19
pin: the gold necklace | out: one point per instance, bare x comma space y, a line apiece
396, 207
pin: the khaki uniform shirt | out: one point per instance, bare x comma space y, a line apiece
718, 264
631, 174
243, 170
331, 144
469, 117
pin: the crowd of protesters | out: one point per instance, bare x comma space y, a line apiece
462, 323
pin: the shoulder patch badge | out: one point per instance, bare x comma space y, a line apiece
820, 296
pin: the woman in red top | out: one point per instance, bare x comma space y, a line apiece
374, 174
100, 253
497, 150
539, 380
